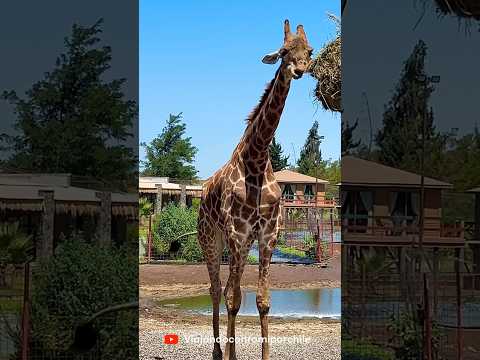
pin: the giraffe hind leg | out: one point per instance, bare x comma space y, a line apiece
213, 258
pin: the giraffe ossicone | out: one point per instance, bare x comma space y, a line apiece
241, 201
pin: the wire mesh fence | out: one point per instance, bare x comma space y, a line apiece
399, 307
294, 245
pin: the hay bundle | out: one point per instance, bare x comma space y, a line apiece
326, 68
462, 8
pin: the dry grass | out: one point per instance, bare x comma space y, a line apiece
326, 68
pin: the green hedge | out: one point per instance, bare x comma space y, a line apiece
79, 280
172, 222
355, 350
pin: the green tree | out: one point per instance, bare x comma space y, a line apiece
279, 161
348, 144
399, 141
74, 121
310, 155
171, 153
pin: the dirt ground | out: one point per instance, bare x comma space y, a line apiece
170, 281
160, 282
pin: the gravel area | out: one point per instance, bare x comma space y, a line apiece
324, 343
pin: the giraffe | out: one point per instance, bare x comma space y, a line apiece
241, 201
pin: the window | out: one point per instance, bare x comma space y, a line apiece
355, 209
308, 192
287, 192
404, 207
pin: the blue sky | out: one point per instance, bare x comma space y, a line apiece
203, 58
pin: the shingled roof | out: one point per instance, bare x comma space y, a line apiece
289, 176
359, 172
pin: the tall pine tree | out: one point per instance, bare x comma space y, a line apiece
279, 161
74, 121
399, 141
311, 156
171, 154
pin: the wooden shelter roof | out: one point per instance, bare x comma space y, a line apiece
289, 176
359, 172
23, 192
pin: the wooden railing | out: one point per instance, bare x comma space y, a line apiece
307, 200
387, 227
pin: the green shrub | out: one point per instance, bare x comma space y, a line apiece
79, 280
190, 249
252, 260
290, 251
356, 350
169, 225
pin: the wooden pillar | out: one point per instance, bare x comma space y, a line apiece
44, 248
158, 201
104, 226
183, 195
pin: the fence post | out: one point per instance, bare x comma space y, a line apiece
319, 248
25, 331
427, 321
331, 233
459, 306
149, 246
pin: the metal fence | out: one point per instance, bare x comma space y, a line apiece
113, 335
413, 313
295, 244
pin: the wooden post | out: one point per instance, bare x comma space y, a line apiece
149, 249
158, 200
331, 233
25, 331
45, 246
459, 305
183, 195
104, 227
427, 320
436, 268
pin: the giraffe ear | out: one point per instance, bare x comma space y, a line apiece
272, 58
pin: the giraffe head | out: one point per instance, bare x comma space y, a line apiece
295, 52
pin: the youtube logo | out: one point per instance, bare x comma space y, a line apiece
170, 339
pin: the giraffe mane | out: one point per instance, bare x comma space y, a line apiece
262, 101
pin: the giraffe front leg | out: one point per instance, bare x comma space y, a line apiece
266, 245
233, 301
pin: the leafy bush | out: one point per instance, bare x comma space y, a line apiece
169, 225
190, 249
79, 280
409, 333
355, 350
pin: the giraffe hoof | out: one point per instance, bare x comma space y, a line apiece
217, 354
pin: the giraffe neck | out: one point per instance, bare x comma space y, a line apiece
264, 120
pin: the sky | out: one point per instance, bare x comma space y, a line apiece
373, 61
36, 38
203, 59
